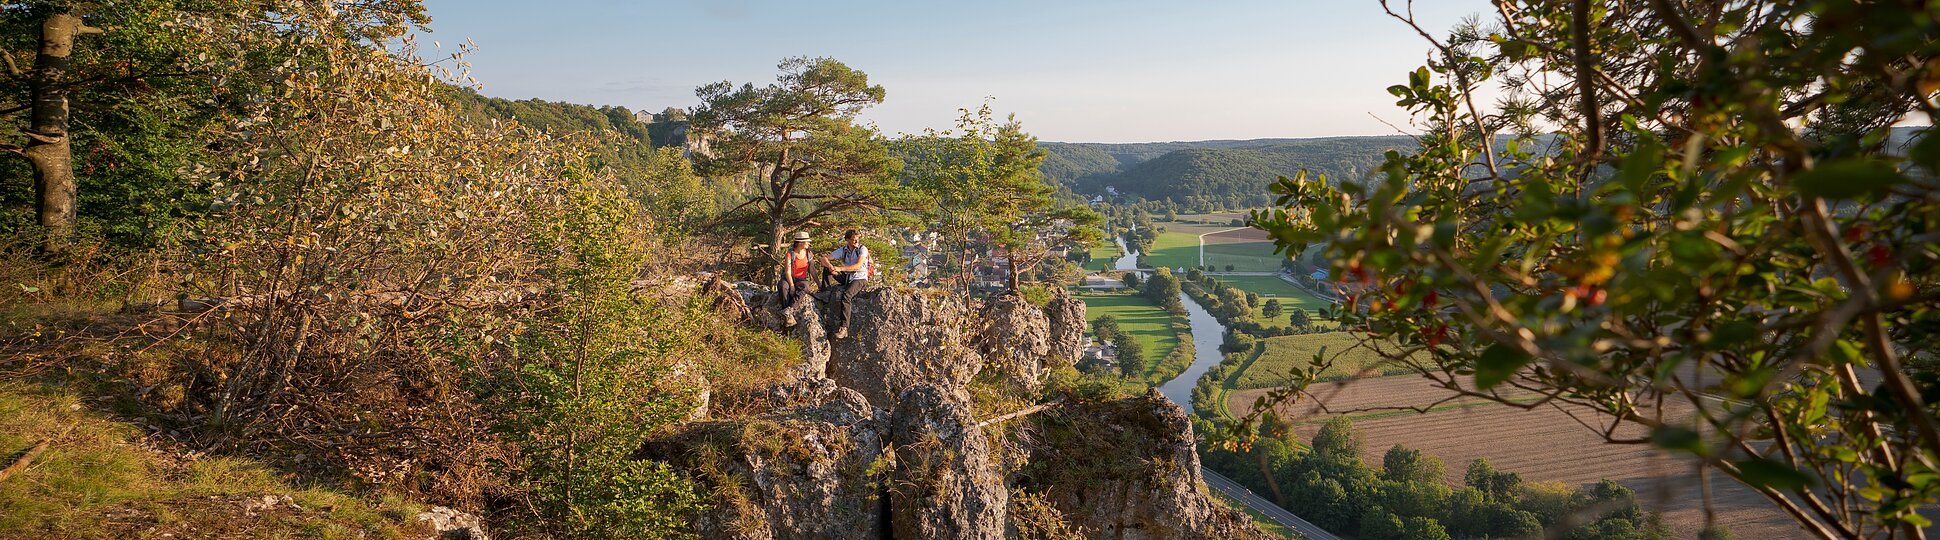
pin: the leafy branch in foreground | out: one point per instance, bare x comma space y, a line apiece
1725, 250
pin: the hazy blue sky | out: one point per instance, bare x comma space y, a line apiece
1095, 71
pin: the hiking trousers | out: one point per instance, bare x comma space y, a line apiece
845, 301
792, 289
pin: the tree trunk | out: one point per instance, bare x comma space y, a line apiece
776, 251
47, 143
1014, 265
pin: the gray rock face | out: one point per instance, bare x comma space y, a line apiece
1067, 316
812, 473
809, 332
945, 485
1139, 455
800, 320
874, 436
1014, 338
900, 339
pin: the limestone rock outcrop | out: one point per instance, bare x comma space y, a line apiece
945, 484
1067, 318
809, 331
900, 339
809, 473
1014, 338
875, 435
1139, 459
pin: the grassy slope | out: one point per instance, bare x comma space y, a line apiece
1281, 354
98, 479
1148, 324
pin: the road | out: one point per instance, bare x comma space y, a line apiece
1202, 244
1272, 511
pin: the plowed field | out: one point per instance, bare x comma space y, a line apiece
1544, 444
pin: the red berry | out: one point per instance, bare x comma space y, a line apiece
1855, 232
1879, 255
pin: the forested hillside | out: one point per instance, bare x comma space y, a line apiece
1210, 175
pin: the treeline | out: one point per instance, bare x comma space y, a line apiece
647, 152
1205, 176
1405, 496
553, 116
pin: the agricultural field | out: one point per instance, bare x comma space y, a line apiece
1178, 245
1136, 315
1246, 250
1528, 442
1270, 362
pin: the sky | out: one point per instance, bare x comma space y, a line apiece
1070, 70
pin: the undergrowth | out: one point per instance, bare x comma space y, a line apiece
105, 478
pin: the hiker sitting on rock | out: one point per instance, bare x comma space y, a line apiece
851, 275
795, 270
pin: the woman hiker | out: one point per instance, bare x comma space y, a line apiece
794, 277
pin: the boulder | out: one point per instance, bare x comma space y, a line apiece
1014, 338
813, 472
448, 524
945, 484
1067, 318
1138, 460
900, 339
808, 331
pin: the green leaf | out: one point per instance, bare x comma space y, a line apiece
1677, 438
1497, 363
1763, 472
1733, 333
1927, 152
1848, 179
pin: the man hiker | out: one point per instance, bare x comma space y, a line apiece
794, 275
851, 275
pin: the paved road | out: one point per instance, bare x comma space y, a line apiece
1277, 514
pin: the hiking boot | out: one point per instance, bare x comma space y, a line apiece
842, 332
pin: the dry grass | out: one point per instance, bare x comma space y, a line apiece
103, 478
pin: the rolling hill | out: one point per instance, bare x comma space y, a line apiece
1204, 175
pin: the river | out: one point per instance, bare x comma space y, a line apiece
1207, 334
1128, 262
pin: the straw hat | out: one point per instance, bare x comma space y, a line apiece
801, 236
